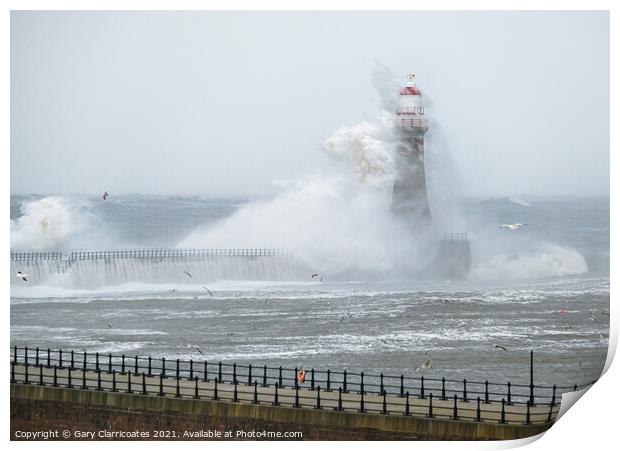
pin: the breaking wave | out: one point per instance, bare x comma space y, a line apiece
537, 261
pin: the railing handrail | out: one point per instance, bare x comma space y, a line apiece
26, 255
331, 380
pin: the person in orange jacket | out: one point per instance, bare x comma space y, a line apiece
301, 376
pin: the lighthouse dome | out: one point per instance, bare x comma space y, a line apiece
410, 91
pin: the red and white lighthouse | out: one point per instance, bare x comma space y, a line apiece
409, 198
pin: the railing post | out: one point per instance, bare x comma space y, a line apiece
84, 376
219, 372
96, 361
312, 379
215, 398
339, 408
143, 383
465, 391
26, 381
527, 414
123, 364
509, 402
235, 395
295, 378
36, 356
149, 368
384, 410
161, 384
318, 397
59, 358
249, 375
14, 354
430, 405
402, 386
12, 372
191, 369
280, 377
178, 392
478, 418
296, 395
26, 355
135, 369
486, 392
55, 376
234, 373
422, 387
178, 369
129, 382
163, 367
205, 375
329, 388
362, 383
49, 353
98, 380
72, 359
113, 380
502, 418
362, 410
381, 384
264, 375
455, 412
443, 388
255, 400
275, 397
40, 375
344, 383
531, 378
551, 405
407, 413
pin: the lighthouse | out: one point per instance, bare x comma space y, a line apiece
409, 198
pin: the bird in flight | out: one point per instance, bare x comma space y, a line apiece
495, 345
315, 275
22, 276
208, 291
514, 226
428, 364
106, 195
109, 325
188, 274
201, 353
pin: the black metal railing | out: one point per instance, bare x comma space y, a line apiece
372, 393
25, 256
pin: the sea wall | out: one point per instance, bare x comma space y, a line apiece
40, 408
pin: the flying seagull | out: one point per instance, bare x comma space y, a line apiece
201, 353
106, 195
109, 326
514, 226
426, 365
188, 274
315, 275
208, 291
383, 341
22, 276
495, 345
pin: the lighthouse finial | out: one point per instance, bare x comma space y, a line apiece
411, 77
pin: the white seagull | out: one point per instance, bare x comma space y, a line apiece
22, 276
426, 365
515, 226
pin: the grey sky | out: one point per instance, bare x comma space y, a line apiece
223, 103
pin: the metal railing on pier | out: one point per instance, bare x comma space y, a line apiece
28, 256
261, 384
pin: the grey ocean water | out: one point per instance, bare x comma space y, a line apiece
539, 298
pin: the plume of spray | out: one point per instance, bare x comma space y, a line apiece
56, 223
339, 222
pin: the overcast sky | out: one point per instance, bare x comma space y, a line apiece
224, 103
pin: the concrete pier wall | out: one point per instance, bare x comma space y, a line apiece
36, 408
